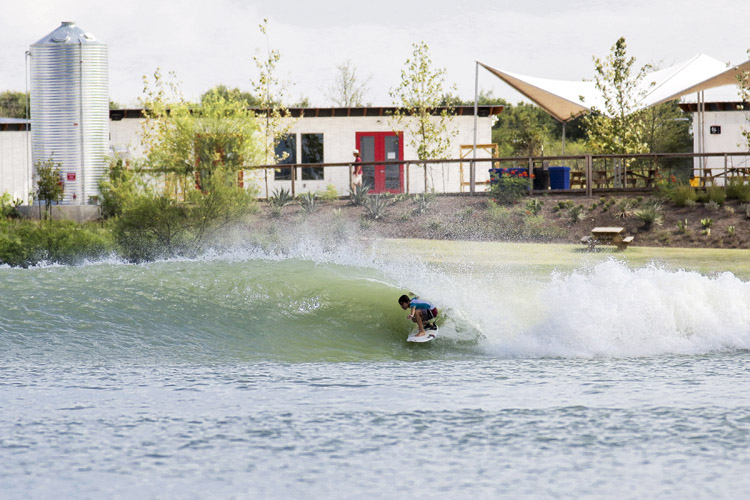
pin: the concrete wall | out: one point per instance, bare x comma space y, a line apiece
15, 164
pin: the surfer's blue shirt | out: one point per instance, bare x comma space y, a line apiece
420, 304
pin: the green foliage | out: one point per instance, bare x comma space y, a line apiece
329, 195
508, 188
706, 225
375, 206
681, 194
275, 123
576, 214
13, 104
743, 81
9, 206
419, 93
25, 243
650, 214
738, 190
309, 202
625, 208
534, 206
120, 186
618, 128
712, 206
190, 143
358, 197
49, 187
233, 94
717, 194
280, 198
153, 226
423, 201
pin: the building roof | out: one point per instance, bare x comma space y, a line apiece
119, 114
566, 100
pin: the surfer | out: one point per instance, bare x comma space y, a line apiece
422, 313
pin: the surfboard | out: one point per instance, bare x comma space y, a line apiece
428, 336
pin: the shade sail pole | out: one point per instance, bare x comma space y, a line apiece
472, 170
563, 139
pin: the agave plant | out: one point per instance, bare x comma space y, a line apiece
309, 202
375, 206
358, 197
650, 214
281, 198
423, 201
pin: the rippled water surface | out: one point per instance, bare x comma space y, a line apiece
258, 376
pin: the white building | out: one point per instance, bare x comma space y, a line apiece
329, 135
15, 158
718, 128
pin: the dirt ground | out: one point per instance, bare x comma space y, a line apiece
473, 218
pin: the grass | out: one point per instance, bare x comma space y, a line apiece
547, 257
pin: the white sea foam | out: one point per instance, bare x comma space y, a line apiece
612, 310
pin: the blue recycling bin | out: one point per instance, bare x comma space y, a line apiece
559, 177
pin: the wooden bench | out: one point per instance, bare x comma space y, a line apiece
607, 236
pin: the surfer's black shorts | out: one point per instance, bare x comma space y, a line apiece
428, 314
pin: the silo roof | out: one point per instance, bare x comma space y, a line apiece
67, 32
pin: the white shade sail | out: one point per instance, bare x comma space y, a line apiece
565, 100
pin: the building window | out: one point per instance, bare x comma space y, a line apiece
312, 152
286, 149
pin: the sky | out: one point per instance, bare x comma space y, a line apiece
206, 43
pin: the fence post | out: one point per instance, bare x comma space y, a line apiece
589, 176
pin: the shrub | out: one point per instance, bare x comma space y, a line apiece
716, 194
507, 189
534, 206
738, 190
329, 195
577, 214
9, 206
25, 243
712, 206
423, 201
682, 194
625, 208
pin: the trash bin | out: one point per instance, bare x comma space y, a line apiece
541, 179
559, 177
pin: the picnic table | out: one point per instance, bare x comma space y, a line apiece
607, 236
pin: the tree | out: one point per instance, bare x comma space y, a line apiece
233, 94
270, 91
619, 128
191, 142
420, 92
49, 186
346, 90
200, 151
13, 104
743, 80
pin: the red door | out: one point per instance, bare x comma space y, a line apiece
382, 146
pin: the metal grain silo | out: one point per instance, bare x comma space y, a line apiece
70, 108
